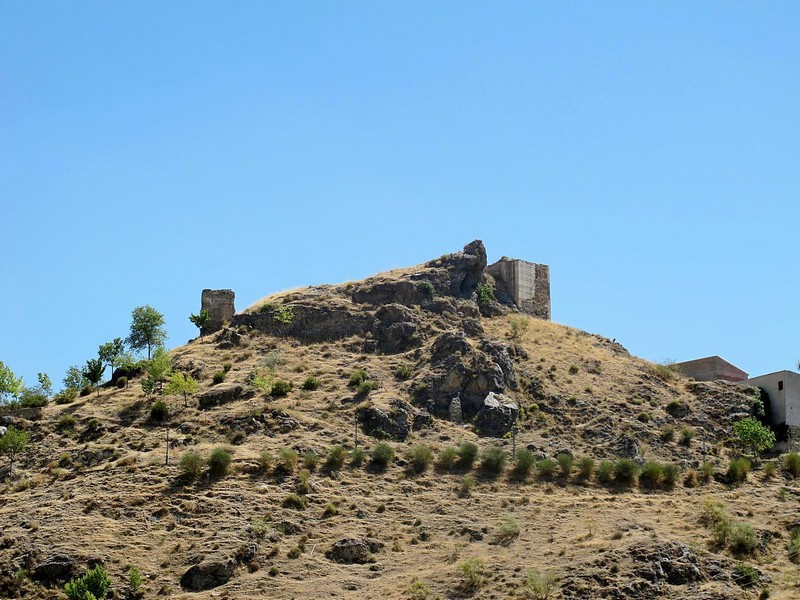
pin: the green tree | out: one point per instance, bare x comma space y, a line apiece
181, 384
45, 384
753, 436
94, 372
111, 353
12, 442
75, 379
157, 369
200, 320
10, 385
147, 329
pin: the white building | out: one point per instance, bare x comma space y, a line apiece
780, 392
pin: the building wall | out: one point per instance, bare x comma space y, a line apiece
220, 307
527, 283
785, 403
710, 368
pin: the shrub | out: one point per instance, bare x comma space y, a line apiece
706, 471
485, 293
493, 461
303, 482
403, 372
159, 411
419, 458
219, 462
218, 377
573, 370
686, 436
651, 475
365, 387
311, 383
294, 501
466, 486
281, 388
467, 454
191, 464
472, 570
793, 547
237, 437
668, 433
287, 461
310, 461
447, 459
738, 470
65, 396
330, 511
32, 399
419, 591
585, 467
541, 585
519, 326
769, 470
691, 478
791, 463
745, 576
670, 475
524, 461
335, 459
66, 422
663, 372
565, 463
357, 457
135, 580
625, 471
546, 468
382, 455
508, 531
358, 377
753, 436
122, 382
742, 538
265, 461
92, 585
605, 471
85, 391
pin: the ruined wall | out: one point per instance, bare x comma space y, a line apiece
220, 307
527, 283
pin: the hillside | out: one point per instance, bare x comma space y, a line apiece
389, 355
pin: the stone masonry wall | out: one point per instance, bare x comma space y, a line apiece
220, 307
527, 283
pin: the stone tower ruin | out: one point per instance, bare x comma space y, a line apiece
220, 307
526, 283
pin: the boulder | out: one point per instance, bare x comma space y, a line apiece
673, 562
222, 394
354, 550
380, 422
454, 410
208, 574
396, 328
498, 415
56, 569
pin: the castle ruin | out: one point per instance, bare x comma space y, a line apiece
220, 307
526, 283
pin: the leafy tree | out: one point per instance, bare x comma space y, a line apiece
157, 369
94, 372
10, 385
182, 384
111, 353
147, 329
200, 320
45, 384
753, 436
12, 442
75, 379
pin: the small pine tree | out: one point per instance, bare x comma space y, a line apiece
181, 384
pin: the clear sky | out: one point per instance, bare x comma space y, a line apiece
647, 151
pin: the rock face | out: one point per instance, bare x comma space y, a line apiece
382, 423
354, 550
673, 562
497, 416
223, 394
55, 569
396, 329
208, 574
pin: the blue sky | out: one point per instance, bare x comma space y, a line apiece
648, 152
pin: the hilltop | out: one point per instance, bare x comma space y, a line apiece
407, 359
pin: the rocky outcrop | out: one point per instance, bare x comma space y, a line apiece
497, 415
308, 322
464, 269
224, 394
397, 329
354, 550
56, 569
208, 574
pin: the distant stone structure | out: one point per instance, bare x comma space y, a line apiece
220, 307
780, 392
710, 368
527, 283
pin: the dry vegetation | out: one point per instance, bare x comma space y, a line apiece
100, 489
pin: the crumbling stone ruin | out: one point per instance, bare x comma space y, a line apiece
526, 283
220, 307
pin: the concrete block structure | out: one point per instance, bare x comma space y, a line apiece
527, 283
780, 392
710, 368
220, 307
